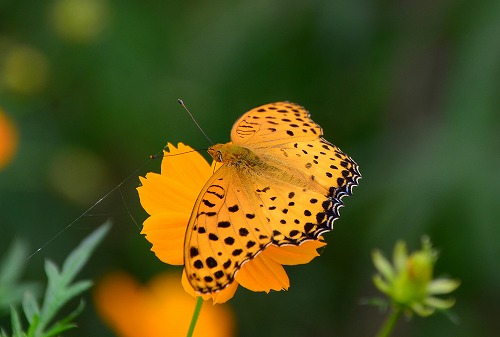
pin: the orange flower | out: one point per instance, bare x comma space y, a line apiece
169, 199
8, 139
159, 309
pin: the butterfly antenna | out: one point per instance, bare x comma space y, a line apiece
181, 102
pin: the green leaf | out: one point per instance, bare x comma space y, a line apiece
16, 323
30, 307
52, 273
59, 291
65, 323
451, 315
381, 303
77, 259
12, 264
12, 294
11, 268
78, 288
58, 328
74, 313
33, 326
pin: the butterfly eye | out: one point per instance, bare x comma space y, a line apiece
219, 156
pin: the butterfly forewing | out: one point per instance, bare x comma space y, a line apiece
274, 123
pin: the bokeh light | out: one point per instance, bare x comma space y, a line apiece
8, 139
79, 175
80, 21
24, 70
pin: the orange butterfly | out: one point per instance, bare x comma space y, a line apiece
280, 184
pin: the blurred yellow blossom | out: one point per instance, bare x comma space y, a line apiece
159, 309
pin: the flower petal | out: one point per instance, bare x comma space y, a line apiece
158, 309
184, 173
225, 294
383, 265
127, 319
422, 310
263, 274
169, 198
166, 233
400, 256
442, 286
159, 195
293, 255
381, 284
439, 303
185, 165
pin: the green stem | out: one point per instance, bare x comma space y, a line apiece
390, 323
196, 313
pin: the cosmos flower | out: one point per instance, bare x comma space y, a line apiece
159, 309
409, 281
169, 199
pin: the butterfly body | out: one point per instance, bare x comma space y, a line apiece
280, 183
234, 155
246, 162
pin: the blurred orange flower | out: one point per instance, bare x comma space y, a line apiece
8, 139
159, 309
169, 199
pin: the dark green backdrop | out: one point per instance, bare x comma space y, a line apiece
409, 89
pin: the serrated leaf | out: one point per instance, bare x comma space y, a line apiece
12, 294
12, 264
78, 288
52, 272
74, 313
51, 293
33, 326
77, 259
30, 307
59, 290
67, 294
58, 328
15, 322
11, 268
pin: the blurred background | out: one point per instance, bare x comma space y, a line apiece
409, 89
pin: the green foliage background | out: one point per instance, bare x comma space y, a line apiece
409, 89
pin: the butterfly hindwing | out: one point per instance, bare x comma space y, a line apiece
322, 166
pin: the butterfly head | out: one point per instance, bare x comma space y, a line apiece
216, 152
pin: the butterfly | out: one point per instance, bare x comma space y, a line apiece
279, 183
